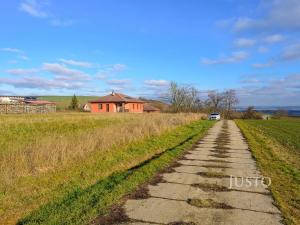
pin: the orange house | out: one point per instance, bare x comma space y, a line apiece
116, 102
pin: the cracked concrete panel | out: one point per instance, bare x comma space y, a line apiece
204, 157
241, 172
245, 155
216, 164
196, 179
235, 199
164, 211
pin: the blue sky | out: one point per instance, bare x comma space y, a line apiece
51, 47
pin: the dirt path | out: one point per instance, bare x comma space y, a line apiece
201, 191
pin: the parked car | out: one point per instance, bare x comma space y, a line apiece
214, 116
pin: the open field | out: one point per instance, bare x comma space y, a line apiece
63, 102
46, 158
276, 146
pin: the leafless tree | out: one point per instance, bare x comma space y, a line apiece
214, 101
183, 98
229, 101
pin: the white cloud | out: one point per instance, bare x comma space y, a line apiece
233, 58
64, 73
20, 53
110, 70
273, 38
33, 8
157, 83
38, 9
76, 63
262, 65
291, 52
34, 82
285, 90
262, 49
13, 50
280, 15
244, 42
21, 71
102, 75
119, 82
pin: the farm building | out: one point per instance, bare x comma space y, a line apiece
27, 106
117, 102
86, 108
150, 109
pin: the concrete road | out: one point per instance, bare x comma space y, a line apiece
217, 182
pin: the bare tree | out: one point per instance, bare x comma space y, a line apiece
214, 101
229, 101
184, 98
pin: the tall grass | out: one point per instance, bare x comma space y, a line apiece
42, 156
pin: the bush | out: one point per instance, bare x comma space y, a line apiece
250, 113
279, 113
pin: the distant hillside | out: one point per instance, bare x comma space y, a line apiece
158, 104
63, 102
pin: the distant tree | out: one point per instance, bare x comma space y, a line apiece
74, 105
250, 113
183, 98
280, 113
229, 101
214, 101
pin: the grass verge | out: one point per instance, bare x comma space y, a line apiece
279, 162
82, 205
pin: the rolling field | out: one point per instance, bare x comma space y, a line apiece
276, 146
81, 162
63, 102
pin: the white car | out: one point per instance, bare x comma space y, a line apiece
214, 116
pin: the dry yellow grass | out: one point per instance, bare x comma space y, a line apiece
39, 152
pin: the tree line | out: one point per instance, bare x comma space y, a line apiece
186, 98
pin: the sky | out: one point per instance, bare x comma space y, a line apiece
137, 47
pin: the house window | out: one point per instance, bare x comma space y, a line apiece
99, 106
133, 106
107, 107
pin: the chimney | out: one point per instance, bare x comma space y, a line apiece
113, 93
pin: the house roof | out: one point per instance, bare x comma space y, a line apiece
116, 97
148, 107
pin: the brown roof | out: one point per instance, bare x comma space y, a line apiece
116, 97
148, 107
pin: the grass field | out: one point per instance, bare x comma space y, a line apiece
63, 102
52, 158
276, 146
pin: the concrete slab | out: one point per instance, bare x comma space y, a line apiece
163, 211
246, 198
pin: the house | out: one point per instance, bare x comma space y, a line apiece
150, 109
117, 102
86, 108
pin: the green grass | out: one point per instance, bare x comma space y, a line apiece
275, 145
44, 157
62, 102
81, 205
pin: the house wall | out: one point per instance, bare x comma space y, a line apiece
134, 107
129, 107
95, 107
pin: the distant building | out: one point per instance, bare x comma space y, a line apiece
86, 108
19, 106
150, 109
117, 102
11, 99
